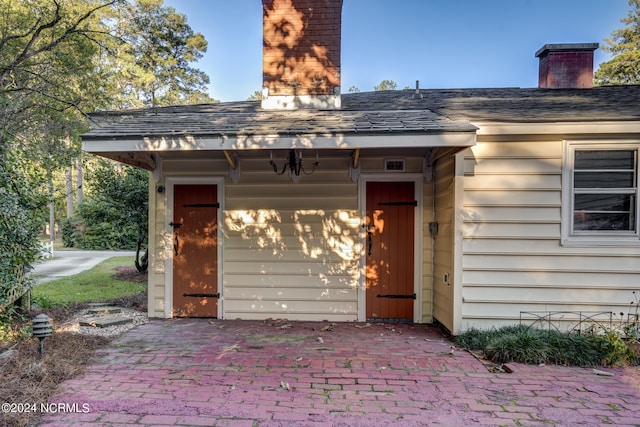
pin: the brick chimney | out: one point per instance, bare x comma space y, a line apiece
301, 54
566, 66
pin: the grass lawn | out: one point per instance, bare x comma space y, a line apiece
96, 284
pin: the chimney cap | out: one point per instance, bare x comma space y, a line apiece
566, 47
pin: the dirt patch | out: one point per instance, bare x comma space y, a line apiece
129, 274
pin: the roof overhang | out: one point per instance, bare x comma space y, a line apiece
272, 142
140, 151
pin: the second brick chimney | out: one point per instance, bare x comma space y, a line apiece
301, 54
566, 66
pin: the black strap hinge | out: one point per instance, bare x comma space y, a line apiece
411, 296
201, 205
202, 295
409, 203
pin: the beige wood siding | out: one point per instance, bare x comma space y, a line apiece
443, 279
155, 276
513, 260
427, 253
291, 250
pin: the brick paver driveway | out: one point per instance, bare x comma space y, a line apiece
277, 373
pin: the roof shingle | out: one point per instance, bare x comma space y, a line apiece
436, 111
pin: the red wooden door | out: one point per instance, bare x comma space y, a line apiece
390, 250
195, 251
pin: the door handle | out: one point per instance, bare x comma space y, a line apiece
369, 239
176, 244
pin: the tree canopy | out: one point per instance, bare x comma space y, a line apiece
624, 43
62, 59
152, 63
47, 77
386, 85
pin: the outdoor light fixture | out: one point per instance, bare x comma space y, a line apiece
294, 164
42, 328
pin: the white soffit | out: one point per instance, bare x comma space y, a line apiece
189, 143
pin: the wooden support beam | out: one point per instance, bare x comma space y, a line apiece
356, 158
230, 159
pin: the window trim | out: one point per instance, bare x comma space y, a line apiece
595, 238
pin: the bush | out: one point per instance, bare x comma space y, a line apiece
13, 326
70, 231
524, 344
21, 217
115, 214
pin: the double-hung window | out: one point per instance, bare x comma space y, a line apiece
602, 193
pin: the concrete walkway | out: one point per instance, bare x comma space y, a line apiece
70, 262
196, 372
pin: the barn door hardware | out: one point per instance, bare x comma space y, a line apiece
176, 242
369, 238
202, 295
201, 205
409, 203
410, 296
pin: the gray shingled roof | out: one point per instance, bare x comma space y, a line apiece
216, 119
512, 104
435, 111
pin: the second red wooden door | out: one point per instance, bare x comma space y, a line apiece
390, 251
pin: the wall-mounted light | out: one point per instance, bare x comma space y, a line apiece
294, 164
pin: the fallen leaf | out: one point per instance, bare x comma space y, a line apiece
366, 325
602, 373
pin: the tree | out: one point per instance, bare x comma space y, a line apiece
47, 69
21, 215
386, 85
114, 216
152, 64
255, 96
624, 43
47, 52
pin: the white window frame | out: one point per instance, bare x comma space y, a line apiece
596, 237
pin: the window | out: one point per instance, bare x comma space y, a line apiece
602, 192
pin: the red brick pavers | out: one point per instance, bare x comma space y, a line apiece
248, 373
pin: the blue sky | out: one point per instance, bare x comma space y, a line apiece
442, 43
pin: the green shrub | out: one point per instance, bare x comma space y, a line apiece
616, 350
70, 231
524, 344
13, 326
